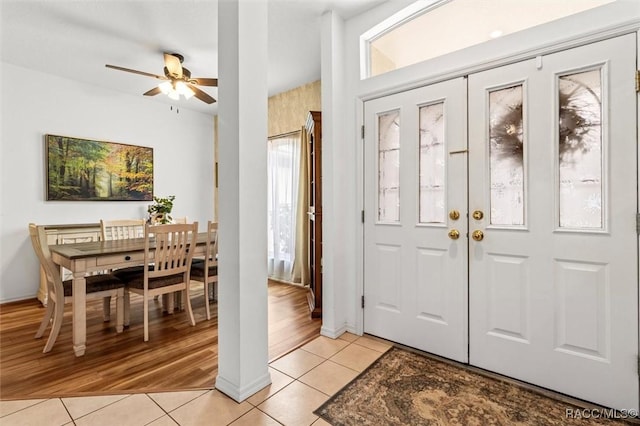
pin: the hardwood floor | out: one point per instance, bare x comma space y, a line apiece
176, 357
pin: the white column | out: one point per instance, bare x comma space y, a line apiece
338, 183
242, 120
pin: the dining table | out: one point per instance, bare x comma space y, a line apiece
82, 259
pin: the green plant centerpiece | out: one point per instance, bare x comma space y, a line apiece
160, 210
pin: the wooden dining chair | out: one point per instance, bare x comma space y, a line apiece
207, 271
121, 229
183, 219
168, 251
60, 292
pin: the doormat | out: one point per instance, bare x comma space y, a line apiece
406, 388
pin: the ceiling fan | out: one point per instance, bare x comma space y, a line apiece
178, 80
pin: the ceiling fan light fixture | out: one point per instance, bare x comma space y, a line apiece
174, 95
184, 90
165, 87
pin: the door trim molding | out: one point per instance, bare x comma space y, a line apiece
359, 287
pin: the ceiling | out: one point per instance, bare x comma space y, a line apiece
75, 39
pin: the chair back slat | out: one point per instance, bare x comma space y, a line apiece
173, 250
41, 248
212, 245
122, 229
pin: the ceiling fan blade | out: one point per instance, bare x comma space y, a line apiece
173, 65
204, 81
159, 77
204, 97
153, 92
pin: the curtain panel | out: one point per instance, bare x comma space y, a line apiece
300, 273
283, 183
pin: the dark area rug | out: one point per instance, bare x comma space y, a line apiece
406, 388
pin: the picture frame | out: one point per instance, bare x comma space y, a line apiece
92, 170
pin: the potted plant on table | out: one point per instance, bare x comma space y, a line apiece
160, 210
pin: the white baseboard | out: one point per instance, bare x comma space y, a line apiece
333, 333
241, 393
18, 299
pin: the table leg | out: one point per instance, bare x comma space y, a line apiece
167, 303
79, 311
179, 298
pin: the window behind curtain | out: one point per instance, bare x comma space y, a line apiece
282, 193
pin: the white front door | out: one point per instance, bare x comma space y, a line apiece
549, 272
553, 296
416, 276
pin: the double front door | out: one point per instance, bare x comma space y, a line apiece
500, 221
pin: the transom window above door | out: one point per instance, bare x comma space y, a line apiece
431, 28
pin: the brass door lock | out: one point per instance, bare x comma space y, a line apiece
454, 234
478, 215
477, 235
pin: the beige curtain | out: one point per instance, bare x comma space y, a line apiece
283, 179
300, 272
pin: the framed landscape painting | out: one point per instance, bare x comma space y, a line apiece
89, 170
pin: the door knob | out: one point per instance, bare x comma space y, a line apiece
477, 235
454, 214
478, 215
454, 234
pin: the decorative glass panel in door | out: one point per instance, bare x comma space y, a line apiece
389, 166
580, 153
432, 164
506, 151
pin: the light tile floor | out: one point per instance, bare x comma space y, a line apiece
301, 382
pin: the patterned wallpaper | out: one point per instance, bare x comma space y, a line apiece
288, 110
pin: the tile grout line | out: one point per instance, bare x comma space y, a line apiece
166, 413
337, 363
96, 410
26, 408
294, 379
265, 413
67, 410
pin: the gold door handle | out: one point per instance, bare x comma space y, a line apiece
454, 215
478, 215
454, 234
477, 235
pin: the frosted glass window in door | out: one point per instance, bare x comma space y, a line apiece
580, 149
506, 153
432, 164
389, 166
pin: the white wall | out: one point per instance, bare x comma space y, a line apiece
34, 104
